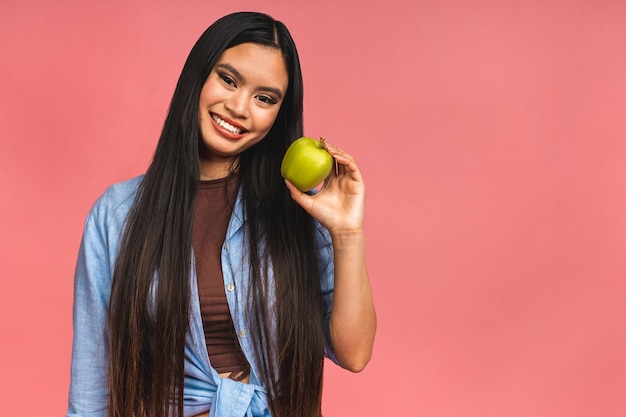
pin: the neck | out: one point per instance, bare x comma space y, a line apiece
215, 169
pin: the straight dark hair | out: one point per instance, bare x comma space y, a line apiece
149, 316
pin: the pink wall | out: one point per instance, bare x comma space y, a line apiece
491, 137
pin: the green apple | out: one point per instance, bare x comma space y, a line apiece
306, 163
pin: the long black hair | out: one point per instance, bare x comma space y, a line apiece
147, 342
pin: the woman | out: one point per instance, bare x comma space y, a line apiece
210, 284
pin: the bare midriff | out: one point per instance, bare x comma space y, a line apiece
245, 380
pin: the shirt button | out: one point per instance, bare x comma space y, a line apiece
242, 333
226, 246
230, 287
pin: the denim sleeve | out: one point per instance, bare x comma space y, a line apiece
327, 270
88, 394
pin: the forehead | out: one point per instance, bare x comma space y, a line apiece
257, 63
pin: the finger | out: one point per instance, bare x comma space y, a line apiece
339, 153
345, 163
298, 196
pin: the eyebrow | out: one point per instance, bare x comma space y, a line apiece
237, 74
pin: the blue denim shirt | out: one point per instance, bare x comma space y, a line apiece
204, 388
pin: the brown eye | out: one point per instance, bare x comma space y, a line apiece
266, 99
227, 79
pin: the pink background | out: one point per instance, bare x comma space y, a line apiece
491, 136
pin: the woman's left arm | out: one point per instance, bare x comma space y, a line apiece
339, 206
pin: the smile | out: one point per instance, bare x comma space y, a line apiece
226, 126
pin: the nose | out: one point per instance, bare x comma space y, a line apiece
237, 104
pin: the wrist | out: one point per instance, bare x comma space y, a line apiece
348, 238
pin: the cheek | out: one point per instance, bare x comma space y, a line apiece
206, 98
209, 92
269, 119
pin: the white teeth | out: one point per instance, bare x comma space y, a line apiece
226, 125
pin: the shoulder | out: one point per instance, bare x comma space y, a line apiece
115, 203
119, 195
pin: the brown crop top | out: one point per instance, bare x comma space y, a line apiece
213, 209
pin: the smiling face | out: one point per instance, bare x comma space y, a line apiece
239, 103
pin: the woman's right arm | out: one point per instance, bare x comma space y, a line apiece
88, 394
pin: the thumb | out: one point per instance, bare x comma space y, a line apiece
298, 196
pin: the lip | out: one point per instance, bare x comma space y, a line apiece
224, 132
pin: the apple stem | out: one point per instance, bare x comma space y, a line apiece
323, 142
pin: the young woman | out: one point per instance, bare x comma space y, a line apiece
210, 284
